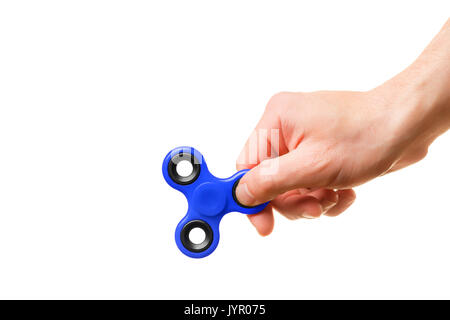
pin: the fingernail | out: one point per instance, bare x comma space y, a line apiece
327, 205
309, 216
243, 195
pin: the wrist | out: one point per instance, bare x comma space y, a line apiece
416, 102
410, 115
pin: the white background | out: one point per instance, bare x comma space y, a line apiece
93, 94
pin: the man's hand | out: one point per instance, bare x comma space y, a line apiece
330, 142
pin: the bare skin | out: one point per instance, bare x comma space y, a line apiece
332, 141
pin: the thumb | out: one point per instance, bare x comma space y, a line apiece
272, 177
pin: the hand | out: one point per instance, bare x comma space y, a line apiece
330, 142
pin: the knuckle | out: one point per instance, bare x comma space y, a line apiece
421, 154
320, 164
265, 184
277, 100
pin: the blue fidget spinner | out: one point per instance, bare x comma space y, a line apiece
209, 199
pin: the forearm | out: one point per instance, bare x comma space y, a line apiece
418, 99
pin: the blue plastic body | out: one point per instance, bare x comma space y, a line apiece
209, 199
